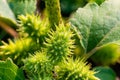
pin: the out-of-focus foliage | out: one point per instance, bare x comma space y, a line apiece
9, 19
97, 1
5, 18
5, 9
22, 6
68, 6
9, 10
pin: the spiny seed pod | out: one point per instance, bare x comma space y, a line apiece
59, 44
32, 26
107, 54
74, 70
38, 67
17, 50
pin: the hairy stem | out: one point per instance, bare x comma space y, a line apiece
53, 12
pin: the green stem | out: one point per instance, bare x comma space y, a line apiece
53, 12
89, 54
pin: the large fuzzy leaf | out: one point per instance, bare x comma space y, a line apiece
98, 26
9, 71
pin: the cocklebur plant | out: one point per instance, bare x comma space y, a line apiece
57, 46
77, 69
54, 58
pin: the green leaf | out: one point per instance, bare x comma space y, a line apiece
6, 14
9, 71
82, 21
99, 26
105, 73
